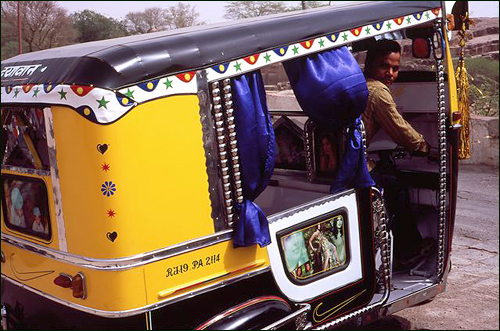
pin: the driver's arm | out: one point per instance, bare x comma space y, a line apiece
388, 117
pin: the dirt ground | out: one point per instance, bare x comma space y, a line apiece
471, 300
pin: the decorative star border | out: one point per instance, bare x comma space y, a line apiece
97, 104
106, 106
336, 39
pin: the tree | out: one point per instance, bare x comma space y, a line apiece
91, 26
44, 23
311, 4
150, 20
182, 15
245, 9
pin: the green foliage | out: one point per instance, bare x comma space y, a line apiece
483, 81
309, 4
92, 26
245, 9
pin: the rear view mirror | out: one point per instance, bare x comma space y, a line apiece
421, 48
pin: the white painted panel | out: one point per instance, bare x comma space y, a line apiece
301, 215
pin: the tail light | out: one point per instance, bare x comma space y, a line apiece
78, 286
76, 283
63, 280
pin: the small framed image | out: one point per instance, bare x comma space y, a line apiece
25, 206
316, 249
290, 151
324, 150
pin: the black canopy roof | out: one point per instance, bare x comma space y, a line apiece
119, 62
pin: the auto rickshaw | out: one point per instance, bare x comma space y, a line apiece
146, 184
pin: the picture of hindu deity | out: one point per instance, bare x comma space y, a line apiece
326, 154
289, 146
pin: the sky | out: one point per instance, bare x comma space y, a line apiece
213, 11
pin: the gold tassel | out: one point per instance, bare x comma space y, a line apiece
463, 107
463, 96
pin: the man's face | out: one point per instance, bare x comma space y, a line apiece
386, 68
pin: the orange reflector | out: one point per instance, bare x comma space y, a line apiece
78, 286
63, 280
456, 116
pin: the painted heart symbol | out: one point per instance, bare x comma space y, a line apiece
112, 236
102, 148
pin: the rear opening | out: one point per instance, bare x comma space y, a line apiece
307, 160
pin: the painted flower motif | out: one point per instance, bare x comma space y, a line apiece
108, 188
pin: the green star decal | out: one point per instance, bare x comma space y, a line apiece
129, 94
389, 25
35, 92
267, 57
367, 30
102, 103
408, 20
62, 94
344, 36
16, 92
168, 84
237, 66
295, 50
321, 43
427, 15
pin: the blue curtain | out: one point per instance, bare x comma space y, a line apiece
331, 89
256, 144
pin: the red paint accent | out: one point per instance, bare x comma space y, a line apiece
186, 77
111, 213
105, 167
356, 31
399, 20
436, 11
307, 44
81, 91
252, 58
27, 87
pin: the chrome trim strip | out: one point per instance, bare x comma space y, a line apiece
304, 310
210, 145
54, 173
119, 263
443, 164
140, 310
412, 299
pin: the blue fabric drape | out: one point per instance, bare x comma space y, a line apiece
256, 144
331, 89
353, 172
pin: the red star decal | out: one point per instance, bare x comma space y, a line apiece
105, 167
111, 213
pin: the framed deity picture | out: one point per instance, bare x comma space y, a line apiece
290, 152
324, 151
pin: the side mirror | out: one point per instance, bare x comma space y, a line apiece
421, 48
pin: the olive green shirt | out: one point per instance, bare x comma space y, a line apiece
381, 112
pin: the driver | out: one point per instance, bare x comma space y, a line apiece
381, 70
